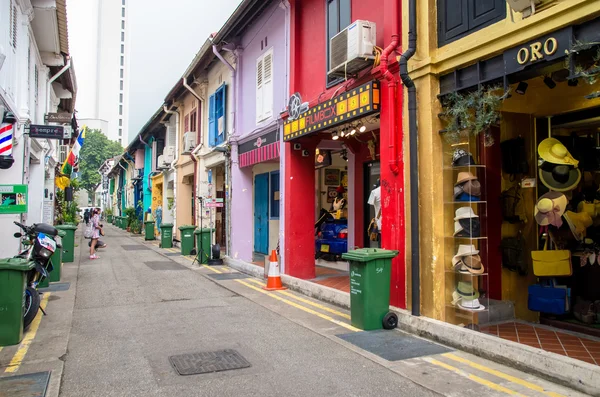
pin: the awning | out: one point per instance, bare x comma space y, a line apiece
352, 105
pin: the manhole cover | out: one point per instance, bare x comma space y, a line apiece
55, 287
164, 265
207, 362
228, 276
135, 248
29, 385
393, 345
172, 254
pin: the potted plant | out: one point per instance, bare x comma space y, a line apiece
109, 215
135, 226
131, 217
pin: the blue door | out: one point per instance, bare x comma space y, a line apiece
261, 213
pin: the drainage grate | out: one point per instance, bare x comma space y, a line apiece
55, 287
393, 345
207, 362
135, 248
228, 276
164, 265
29, 385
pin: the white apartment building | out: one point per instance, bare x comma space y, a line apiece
103, 100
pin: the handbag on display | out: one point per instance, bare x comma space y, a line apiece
551, 263
513, 254
548, 298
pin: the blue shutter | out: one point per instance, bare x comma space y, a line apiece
212, 122
221, 97
274, 189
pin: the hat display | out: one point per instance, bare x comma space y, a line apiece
460, 231
578, 223
464, 250
549, 209
464, 177
466, 291
471, 227
470, 265
461, 158
465, 197
472, 187
560, 178
458, 190
590, 208
471, 304
553, 151
464, 213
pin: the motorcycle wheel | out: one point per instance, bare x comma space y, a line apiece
32, 305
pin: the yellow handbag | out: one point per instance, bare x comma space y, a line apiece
555, 263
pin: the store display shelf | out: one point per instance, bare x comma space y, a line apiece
451, 271
467, 238
464, 202
462, 167
460, 309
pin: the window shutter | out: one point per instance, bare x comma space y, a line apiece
482, 12
221, 117
268, 85
259, 89
453, 18
212, 122
186, 123
13, 25
171, 135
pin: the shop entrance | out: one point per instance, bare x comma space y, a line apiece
261, 213
372, 174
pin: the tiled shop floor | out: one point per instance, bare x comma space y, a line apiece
566, 344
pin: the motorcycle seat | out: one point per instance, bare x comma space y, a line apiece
46, 229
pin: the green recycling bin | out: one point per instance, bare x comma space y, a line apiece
370, 271
13, 277
203, 239
187, 239
166, 235
68, 242
109, 218
149, 228
56, 260
123, 223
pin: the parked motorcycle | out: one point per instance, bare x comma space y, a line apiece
39, 239
332, 237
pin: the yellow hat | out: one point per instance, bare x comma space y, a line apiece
578, 222
553, 151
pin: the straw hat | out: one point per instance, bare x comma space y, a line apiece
463, 177
464, 213
471, 304
553, 151
560, 178
550, 208
470, 265
466, 291
464, 250
578, 222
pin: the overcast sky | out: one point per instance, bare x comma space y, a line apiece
164, 37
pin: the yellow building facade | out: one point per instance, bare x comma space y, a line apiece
507, 51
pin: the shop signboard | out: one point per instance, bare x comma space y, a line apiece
46, 131
545, 48
260, 149
13, 199
61, 118
354, 104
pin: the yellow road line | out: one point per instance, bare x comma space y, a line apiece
17, 359
212, 269
474, 378
308, 302
502, 375
303, 308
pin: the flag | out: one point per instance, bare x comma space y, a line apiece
73, 157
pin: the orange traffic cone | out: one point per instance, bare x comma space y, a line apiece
274, 278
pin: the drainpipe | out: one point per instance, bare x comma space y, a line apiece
285, 4
173, 168
393, 8
413, 155
232, 135
193, 153
141, 140
52, 79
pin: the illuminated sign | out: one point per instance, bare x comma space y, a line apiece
354, 104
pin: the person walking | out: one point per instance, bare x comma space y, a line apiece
97, 229
86, 216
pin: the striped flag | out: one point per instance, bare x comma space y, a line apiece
6, 139
73, 157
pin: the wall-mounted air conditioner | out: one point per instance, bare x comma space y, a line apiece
169, 154
161, 164
351, 50
189, 142
525, 7
63, 152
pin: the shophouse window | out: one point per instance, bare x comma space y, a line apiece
120, 110
122, 73
123, 12
13, 25
120, 122
122, 24
122, 48
274, 194
459, 18
264, 86
120, 132
120, 98
217, 116
121, 84
338, 18
122, 60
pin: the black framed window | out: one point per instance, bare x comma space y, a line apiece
459, 18
339, 16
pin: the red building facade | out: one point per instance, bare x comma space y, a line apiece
312, 23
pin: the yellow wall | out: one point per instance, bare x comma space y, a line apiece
428, 63
157, 195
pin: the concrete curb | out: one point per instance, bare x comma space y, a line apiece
566, 371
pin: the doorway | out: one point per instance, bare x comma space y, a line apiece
371, 174
261, 213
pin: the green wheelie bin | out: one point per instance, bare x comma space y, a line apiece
187, 239
166, 235
149, 229
68, 242
370, 272
13, 277
109, 218
203, 239
56, 260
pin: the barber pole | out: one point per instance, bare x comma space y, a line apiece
6, 138
274, 278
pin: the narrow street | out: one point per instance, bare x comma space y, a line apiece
113, 331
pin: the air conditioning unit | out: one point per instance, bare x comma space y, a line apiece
351, 50
63, 152
526, 7
169, 154
160, 163
189, 142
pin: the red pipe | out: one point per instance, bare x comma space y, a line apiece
392, 6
